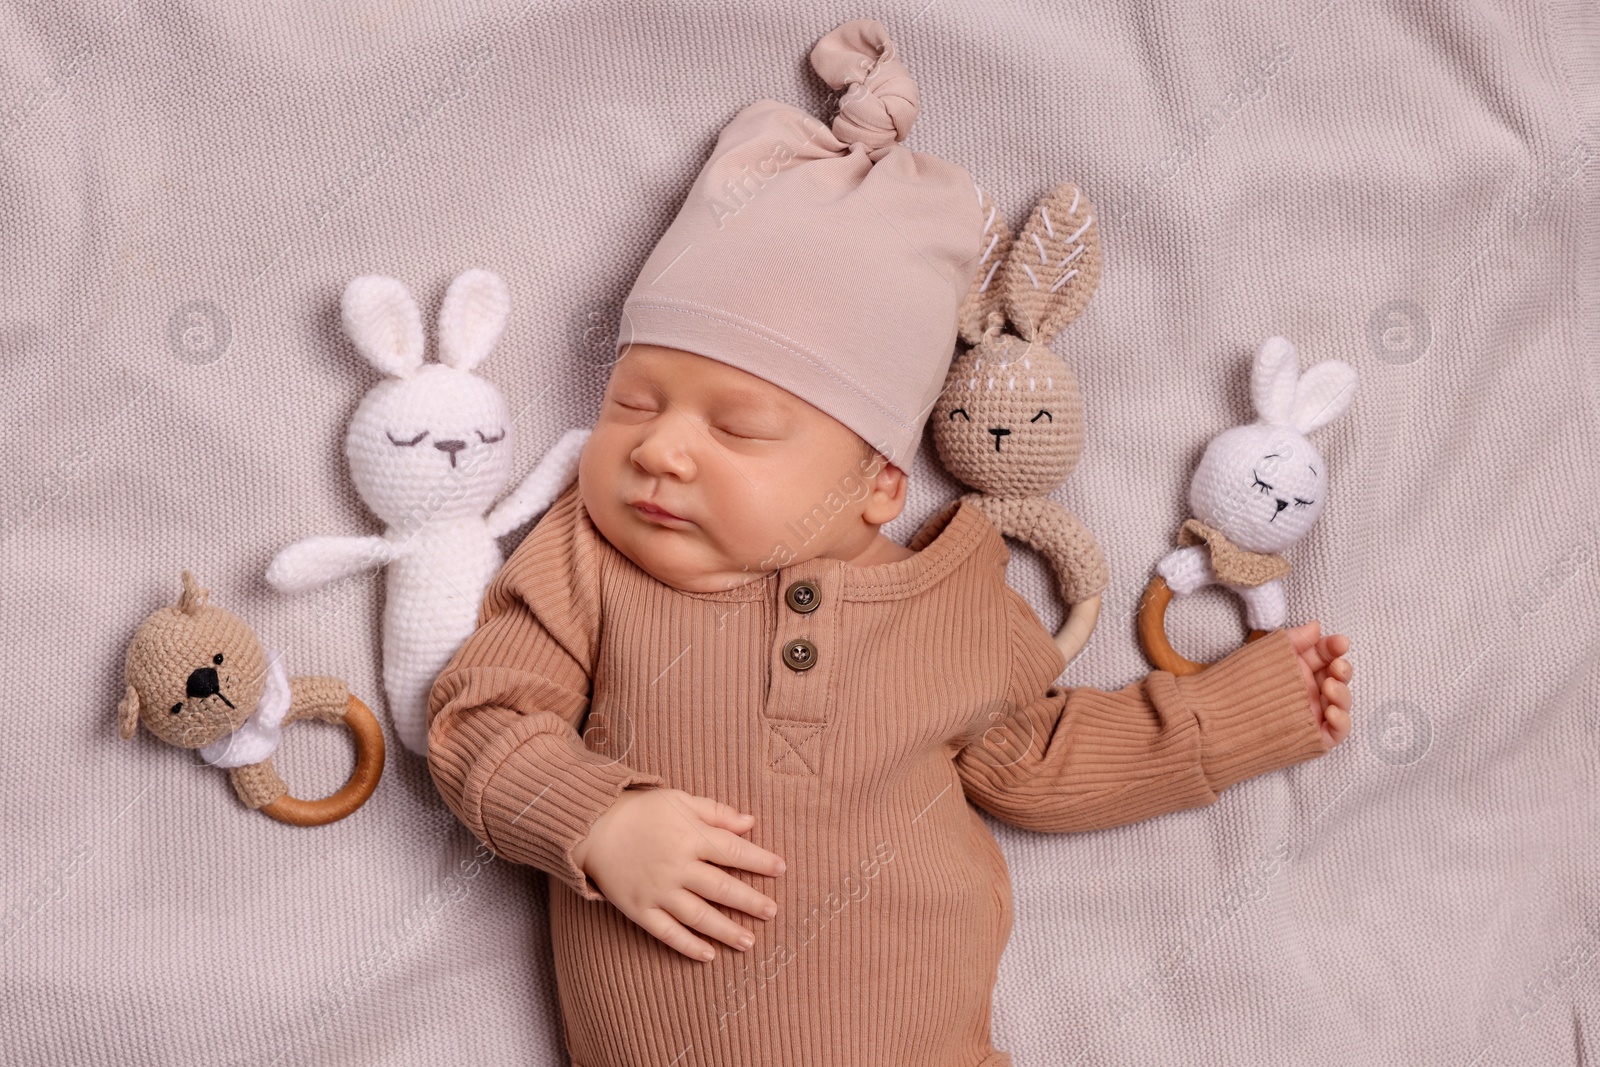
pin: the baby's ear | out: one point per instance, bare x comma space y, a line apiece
1055, 267
985, 296
128, 713
886, 496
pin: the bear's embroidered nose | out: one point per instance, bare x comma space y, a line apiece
203, 683
999, 432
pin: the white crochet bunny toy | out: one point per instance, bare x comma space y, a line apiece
1257, 491
429, 451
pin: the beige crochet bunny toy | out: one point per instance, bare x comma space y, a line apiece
197, 677
1009, 422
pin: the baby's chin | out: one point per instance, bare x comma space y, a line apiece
677, 558
688, 575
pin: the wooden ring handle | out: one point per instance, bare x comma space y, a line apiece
354, 793
1074, 633
1153, 631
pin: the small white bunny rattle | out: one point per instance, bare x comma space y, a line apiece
1256, 491
429, 451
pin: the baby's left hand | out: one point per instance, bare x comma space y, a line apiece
1326, 671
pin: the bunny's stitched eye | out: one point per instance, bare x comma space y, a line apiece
963, 413
176, 708
1045, 413
217, 659
1265, 488
406, 444
1300, 503
491, 440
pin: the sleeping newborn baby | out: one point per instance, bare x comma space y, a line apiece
717, 704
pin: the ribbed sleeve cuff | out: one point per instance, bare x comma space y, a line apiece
1252, 707
531, 797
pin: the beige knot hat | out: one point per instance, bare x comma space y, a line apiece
831, 262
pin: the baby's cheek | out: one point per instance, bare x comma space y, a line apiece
750, 538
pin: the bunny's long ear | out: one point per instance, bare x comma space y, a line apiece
383, 321
1055, 266
472, 318
986, 296
1325, 391
1273, 379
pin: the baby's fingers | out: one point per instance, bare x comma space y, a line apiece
1336, 712
1304, 637
694, 912
716, 813
730, 850
1333, 646
665, 927
713, 883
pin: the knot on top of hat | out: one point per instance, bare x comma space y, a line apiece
880, 104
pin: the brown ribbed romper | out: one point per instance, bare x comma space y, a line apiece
932, 686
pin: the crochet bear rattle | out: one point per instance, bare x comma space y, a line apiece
197, 677
1257, 491
1009, 422
430, 451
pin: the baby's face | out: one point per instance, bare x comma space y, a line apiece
751, 477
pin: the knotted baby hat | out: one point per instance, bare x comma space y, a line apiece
830, 262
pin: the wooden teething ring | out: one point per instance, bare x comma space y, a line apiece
363, 780
1074, 633
1153, 631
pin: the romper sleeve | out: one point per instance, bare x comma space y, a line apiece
1063, 759
503, 743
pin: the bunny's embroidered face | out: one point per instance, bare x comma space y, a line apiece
1262, 486
436, 445
1009, 422
1010, 419
434, 442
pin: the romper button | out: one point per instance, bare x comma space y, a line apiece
799, 655
803, 597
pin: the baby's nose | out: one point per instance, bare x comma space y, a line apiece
664, 451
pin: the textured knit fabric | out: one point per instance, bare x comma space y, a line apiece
931, 687
1038, 521
1230, 563
1412, 187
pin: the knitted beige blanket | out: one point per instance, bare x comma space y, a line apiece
1413, 187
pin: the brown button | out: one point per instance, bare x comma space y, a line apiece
803, 597
799, 655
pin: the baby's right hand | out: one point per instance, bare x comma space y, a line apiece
652, 853
1327, 674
